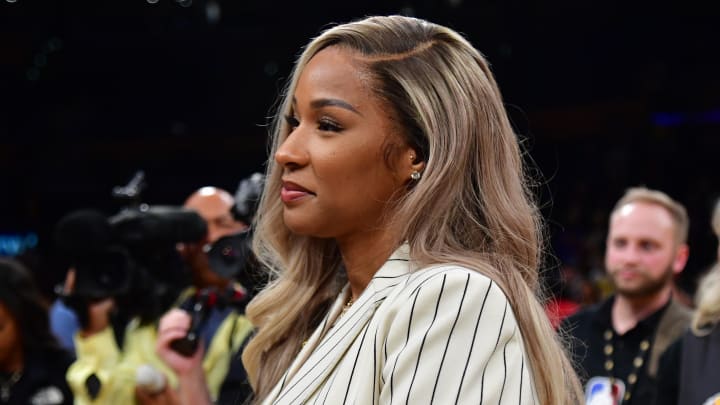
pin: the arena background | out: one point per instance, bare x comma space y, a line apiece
605, 94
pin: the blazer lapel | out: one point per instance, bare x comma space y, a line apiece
329, 343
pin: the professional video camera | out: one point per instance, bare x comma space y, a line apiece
130, 256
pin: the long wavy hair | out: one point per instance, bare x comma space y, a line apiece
707, 297
23, 301
472, 206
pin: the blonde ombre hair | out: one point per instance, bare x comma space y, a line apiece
471, 207
707, 297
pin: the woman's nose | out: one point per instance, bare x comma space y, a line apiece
292, 153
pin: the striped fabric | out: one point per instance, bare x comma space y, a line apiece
439, 335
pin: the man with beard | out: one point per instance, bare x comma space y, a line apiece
617, 344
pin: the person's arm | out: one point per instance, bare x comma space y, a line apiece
454, 339
97, 354
63, 324
668, 378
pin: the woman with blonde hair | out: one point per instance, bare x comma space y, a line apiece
688, 371
707, 296
401, 233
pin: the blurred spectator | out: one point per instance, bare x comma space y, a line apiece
226, 328
618, 342
32, 364
688, 371
194, 387
215, 206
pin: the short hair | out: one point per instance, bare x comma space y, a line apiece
676, 210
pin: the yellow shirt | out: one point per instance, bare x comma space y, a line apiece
115, 370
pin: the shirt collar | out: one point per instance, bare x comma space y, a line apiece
649, 323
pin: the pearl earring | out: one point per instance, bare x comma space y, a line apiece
415, 176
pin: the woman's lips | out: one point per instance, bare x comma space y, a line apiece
292, 192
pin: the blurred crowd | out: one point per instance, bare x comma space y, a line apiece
117, 332
95, 341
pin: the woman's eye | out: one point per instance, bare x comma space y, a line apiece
328, 125
292, 121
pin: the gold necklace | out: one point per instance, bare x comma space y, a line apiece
638, 361
347, 306
8, 384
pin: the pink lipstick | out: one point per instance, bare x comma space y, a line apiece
292, 192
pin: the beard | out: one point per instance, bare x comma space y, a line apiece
645, 286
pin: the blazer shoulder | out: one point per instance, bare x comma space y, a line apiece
453, 279
449, 274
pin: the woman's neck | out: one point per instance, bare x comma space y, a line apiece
363, 255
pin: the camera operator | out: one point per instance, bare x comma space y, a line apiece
193, 386
224, 327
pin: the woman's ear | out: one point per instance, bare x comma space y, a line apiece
414, 165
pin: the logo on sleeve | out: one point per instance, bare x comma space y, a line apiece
604, 391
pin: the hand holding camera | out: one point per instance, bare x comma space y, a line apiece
198, 308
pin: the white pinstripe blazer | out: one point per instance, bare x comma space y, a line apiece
440, 335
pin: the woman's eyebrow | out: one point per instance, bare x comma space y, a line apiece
333, 102
330, 102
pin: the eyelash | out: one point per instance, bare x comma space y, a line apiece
329, 125
291, 121
324, 124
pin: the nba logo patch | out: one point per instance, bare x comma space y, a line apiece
604, 391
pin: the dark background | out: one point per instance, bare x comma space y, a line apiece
606, 94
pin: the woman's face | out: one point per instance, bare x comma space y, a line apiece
336, 180
10, 344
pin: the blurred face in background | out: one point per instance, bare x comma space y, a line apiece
643, 253
10, 342
214, 206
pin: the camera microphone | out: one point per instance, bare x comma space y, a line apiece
150, 379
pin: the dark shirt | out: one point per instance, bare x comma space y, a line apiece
669, 374
587, 328
43, 380
688, 373
236, 389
